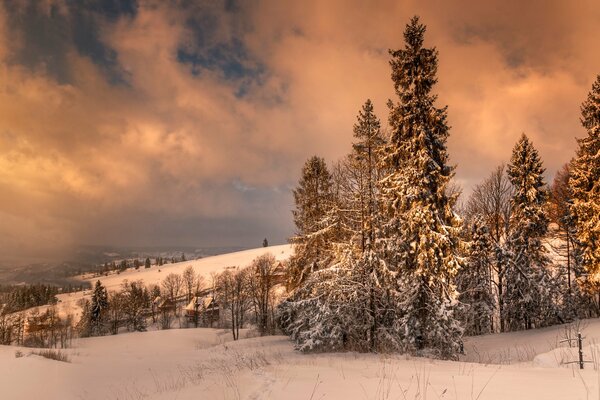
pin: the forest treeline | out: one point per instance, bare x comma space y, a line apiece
386, 259
236, 298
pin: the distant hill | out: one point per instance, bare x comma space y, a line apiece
90, 258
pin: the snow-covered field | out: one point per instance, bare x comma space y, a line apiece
154, 275
206, 364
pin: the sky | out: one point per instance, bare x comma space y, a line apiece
147, 123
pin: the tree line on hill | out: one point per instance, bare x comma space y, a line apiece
234, 299
15, 298
241, 295
136, 263
385, 259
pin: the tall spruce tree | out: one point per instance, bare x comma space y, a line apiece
421, 237
526, 297
585, 185
314, 203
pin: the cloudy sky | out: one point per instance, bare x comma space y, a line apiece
186, 123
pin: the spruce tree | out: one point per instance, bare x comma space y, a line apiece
314, 203
420, 239
527, 298
585, 185
98, 307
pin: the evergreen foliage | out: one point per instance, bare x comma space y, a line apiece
333, 309
314, 202
528, 286
474, 282
585, 184
21, 297
98, 308
420, 240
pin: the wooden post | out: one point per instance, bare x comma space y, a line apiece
579, 344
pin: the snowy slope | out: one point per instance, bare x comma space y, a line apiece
154, 275
204, 364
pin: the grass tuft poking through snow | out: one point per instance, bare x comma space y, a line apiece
51, 354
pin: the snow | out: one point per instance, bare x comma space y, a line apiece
154, 275
205, 363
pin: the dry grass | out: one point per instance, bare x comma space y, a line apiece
51, 354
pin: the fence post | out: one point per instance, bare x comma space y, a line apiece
579, 344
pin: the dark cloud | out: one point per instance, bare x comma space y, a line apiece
187, 122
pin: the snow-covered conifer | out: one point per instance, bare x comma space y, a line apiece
98, 307
343, 307
312, 216
474, 282
528, 286
585, 185
420, 238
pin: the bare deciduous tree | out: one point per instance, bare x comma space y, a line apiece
136, 300
172, 285
233, 295
116, 305
261, 283
491, 201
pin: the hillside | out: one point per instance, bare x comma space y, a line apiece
205, 363
154, 275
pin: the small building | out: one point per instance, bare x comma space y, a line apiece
163, 304
279, 274
203, 309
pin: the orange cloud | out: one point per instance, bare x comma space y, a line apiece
90, 161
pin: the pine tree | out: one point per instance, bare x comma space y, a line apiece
98, 308
527, 297
366, 154
147, 263
421, 237
474, 282
585, 185
314, 203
